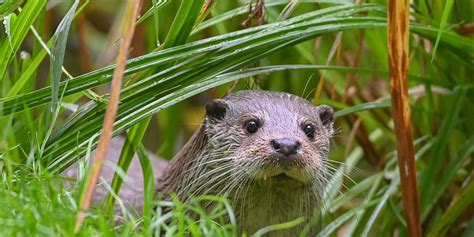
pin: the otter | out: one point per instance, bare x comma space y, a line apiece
265, 151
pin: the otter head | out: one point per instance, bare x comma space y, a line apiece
269, 138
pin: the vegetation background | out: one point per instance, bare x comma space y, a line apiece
56, 62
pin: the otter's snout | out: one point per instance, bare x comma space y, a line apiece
285, 146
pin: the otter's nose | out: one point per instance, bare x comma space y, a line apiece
285, 146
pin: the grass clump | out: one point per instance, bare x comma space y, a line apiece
36, 203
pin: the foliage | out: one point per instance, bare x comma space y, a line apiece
204, 49
37, 204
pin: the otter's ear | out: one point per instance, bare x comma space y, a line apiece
216, 109
326, 114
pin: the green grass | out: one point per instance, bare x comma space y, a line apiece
51, 113
35, 203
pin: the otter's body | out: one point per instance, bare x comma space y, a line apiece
266, 151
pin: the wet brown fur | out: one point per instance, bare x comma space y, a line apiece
222, 158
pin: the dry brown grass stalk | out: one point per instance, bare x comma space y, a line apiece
398, 30
128, 27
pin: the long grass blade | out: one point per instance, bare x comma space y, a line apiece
8, 6
332, 226
149, 187
101, 76
21, 25
447, 176
57, 53
185, 21
444, 19
157, 5
434, 164
456, 208
185, 13
129, 148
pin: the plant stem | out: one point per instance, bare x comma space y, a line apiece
128, 27
398, 29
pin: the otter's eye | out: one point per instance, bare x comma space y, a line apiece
308, 129
252, 126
